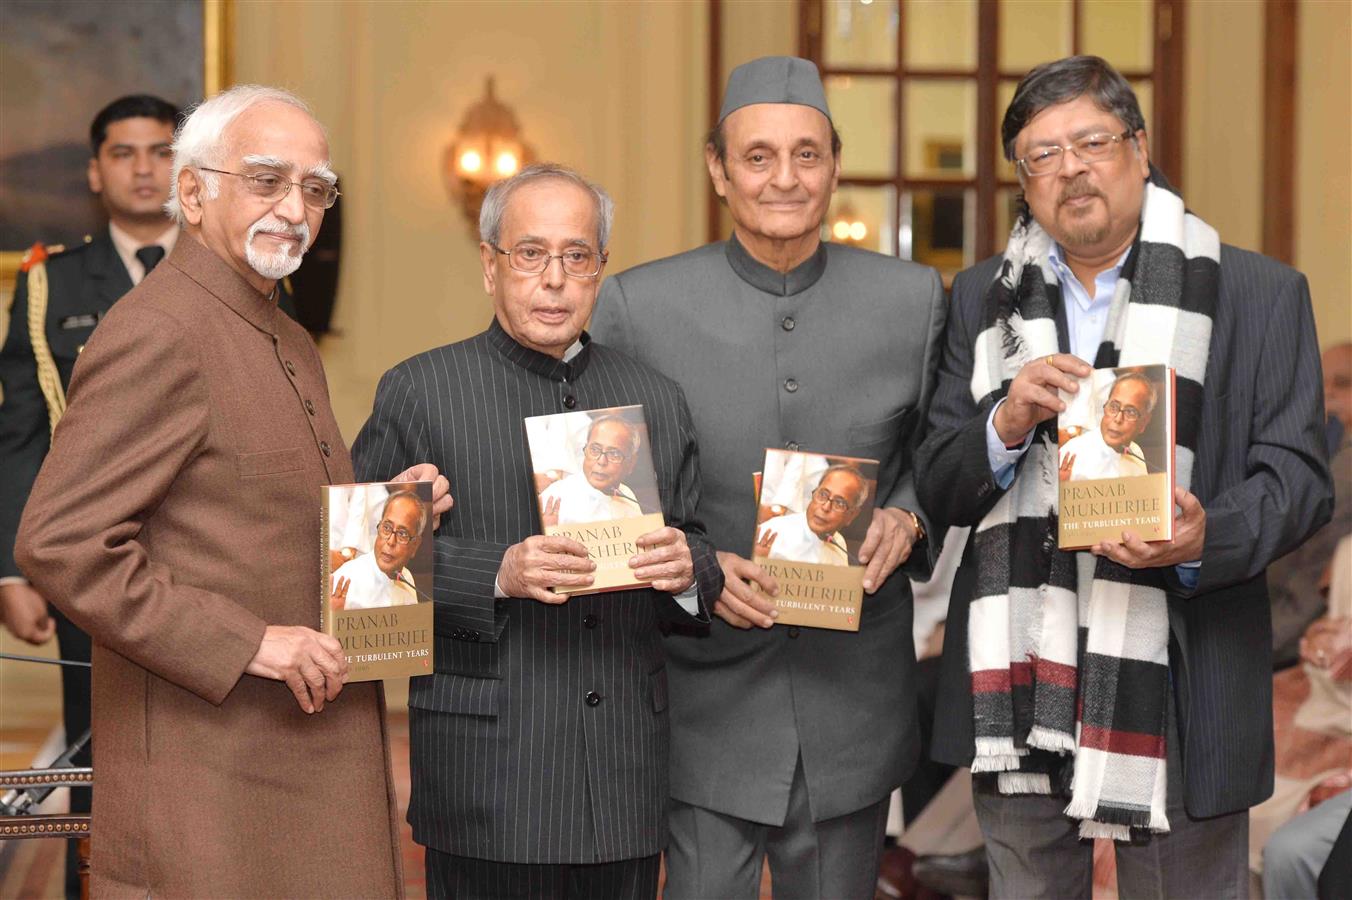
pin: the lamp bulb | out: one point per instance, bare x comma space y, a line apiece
471, 161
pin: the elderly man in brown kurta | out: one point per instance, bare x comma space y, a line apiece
177, 521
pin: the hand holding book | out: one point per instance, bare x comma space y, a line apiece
741, 605
891, 538
1189, 537
541, 563
1032, 397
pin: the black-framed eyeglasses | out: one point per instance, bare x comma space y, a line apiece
1114, 408
401, 536
532, 259
838, 503
1092, 148
612, 456
269, 186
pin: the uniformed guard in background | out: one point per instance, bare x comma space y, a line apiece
60, 295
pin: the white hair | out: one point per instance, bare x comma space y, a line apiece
495, 201
200, 140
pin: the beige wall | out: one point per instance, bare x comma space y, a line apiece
605, 87
1323, 166
391, 79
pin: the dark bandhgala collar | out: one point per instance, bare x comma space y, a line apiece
764, 278
203, 266
105, 267
534, 361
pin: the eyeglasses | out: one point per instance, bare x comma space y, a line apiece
1130, 413
1092, 148
613, 456
401, 536
532, 259
839, 504
269, 186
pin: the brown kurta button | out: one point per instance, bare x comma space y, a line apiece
291, 367
310, 407
324, 448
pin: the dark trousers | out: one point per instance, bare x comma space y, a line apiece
74, 645
712, 855
467, 878
1035, 851
929, 776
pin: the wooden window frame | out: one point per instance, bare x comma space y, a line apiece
1166, 77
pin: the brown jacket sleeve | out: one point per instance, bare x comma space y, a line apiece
139, 412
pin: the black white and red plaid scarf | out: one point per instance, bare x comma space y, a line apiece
1069, 652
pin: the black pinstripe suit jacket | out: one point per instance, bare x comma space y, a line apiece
1261, 474
509, 762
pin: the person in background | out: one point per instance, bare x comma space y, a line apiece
61, 294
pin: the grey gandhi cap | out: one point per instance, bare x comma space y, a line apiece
774, 79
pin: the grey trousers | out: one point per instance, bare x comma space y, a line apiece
1035, 851
1296, 853
711, 856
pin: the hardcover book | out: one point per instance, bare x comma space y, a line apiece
813, 512
376, 572
1116, 457
595, 483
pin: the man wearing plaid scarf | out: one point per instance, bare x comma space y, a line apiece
1124, 691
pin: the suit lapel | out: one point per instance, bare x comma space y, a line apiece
108, 278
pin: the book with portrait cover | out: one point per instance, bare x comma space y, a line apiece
595, 483
376, 576
1115, 457
812, 514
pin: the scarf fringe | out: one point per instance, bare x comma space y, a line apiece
1044, 738
1089, 830
1025, 783
996, 754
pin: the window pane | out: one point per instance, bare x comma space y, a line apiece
936, 227
863, 217
1120, 31
940, 34
1032, 32
1006, 210
1145, 95
864, 110
859, 35
1004, 92
940, 128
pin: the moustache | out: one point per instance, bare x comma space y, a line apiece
271, 225
1080, 187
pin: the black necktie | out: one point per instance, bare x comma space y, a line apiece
150, 256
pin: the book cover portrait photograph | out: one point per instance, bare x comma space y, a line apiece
1116, 454
811, 520
595, 483
377, 575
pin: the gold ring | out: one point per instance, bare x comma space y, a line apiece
1048, 360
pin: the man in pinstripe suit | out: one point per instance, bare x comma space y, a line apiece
539, 745
1250, 429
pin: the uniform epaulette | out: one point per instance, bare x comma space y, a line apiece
41, 252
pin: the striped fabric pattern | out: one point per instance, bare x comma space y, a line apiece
510, 761
1069, 652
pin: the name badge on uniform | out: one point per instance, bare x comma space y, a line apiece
84, 320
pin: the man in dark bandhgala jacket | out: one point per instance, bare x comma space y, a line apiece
539, 744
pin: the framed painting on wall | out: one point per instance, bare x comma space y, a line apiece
61, 61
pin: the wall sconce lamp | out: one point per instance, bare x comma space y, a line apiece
488, 147
847, 228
